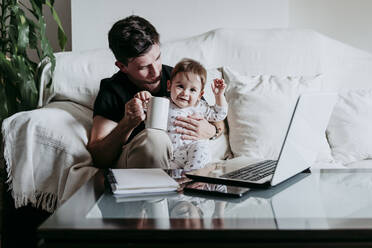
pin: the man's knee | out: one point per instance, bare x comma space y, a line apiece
150, 148
156, 139
156, 145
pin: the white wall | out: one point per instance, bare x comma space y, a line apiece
92, 19
349, 21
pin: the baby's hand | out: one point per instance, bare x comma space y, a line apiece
144, 95
218, 86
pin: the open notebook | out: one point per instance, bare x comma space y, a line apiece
140, 181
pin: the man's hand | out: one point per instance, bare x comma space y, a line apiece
134, 113
194, 127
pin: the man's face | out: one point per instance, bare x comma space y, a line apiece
145, 70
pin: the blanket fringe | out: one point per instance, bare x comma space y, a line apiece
6, 159
45, 200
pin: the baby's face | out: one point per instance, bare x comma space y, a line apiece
185, 89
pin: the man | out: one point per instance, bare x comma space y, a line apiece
118, 137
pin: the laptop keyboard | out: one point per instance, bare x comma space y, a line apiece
253, 172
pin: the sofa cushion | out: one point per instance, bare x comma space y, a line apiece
349, 130
260, 109
283, 52
367, 163
77, 76
266, 51
219, 148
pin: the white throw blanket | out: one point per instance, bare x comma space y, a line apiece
45, 154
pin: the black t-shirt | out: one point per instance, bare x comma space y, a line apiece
116, 91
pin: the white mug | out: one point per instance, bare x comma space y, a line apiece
157, 113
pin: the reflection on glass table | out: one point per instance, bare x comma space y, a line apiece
305, 202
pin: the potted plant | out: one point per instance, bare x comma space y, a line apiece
23, 34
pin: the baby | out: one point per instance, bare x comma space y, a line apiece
186, 88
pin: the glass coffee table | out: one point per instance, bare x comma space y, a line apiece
325, 208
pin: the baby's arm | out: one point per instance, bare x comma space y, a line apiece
218, 88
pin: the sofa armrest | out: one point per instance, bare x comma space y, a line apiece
44, 80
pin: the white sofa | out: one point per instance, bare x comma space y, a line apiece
45, 149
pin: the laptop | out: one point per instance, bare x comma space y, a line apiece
298, 152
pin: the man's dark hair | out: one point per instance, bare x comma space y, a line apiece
131, 37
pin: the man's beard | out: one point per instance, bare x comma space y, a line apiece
153, 85
156, 80
147, 85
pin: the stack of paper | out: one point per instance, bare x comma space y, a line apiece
140, 181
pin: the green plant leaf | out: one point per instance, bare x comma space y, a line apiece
13, 35
29, 9
23, 33
19, 31
4, 112
9, 74
9, 81
36, 9
33, 35
62, 38
18, 35
26, 85
46, 48
37, 6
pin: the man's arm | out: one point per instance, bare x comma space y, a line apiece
108, 137
195, 127
220, 128
104, 144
